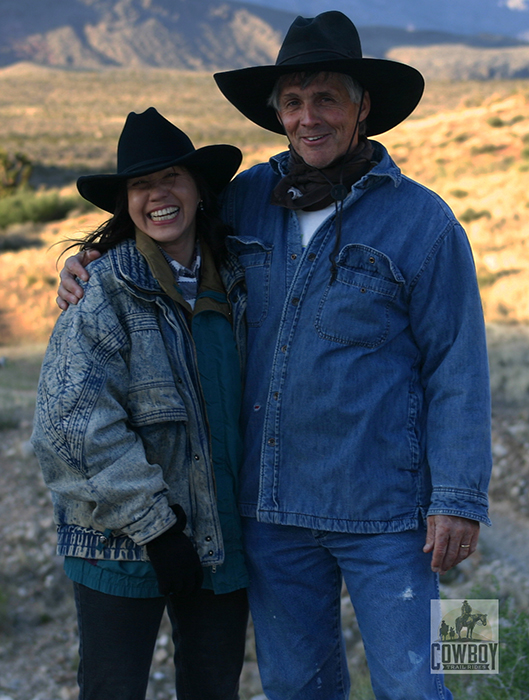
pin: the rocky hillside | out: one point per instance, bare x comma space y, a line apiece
215, 34
197, 34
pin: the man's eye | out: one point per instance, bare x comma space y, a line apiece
170, 176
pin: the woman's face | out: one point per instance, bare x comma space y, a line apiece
163, 205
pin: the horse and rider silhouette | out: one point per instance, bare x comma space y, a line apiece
466, 619
469, 621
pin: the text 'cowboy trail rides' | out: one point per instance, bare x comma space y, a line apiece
464, 636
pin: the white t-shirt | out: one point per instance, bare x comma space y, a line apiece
310, 221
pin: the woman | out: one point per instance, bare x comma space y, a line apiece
136, 427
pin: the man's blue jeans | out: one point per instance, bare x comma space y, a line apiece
117, 638
296, 579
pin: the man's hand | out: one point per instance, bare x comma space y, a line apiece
444, 538
69, 291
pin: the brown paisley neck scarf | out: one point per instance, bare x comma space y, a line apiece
305, 187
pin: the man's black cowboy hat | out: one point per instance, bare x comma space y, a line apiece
148, 143
328, 42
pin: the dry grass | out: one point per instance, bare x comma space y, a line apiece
72, 120
467, 141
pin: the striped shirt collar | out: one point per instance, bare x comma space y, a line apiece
187, 278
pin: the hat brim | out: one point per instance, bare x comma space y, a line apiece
216, 164
395, 89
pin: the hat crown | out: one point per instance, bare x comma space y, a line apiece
328, 36
149, 139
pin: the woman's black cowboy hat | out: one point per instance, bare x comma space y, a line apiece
148, 143
328, 42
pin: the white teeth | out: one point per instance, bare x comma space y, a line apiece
313, 138
164, 214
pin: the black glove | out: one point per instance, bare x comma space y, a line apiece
174, 559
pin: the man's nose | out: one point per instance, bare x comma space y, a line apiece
309, 115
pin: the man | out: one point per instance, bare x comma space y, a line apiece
367, 411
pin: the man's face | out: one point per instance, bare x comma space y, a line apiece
320, 119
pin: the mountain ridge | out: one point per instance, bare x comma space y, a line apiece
212, 35
508, 17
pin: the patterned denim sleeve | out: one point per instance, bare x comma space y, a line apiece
92, 460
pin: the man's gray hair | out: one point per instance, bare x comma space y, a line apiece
304, 79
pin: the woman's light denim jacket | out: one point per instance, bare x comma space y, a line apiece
367, 397
120, 425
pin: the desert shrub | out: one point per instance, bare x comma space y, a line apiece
15, 172
460, 194
26, 205
486, 148
487, 278
496, 122
512, 682
525, 152
460, 138
471, 214
517, 118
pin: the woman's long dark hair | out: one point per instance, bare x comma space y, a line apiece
209, 226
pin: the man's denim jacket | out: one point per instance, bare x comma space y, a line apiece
120, 428
367, 396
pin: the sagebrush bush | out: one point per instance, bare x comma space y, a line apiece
15, 172
496, 122
472, 215
26, 205
512, 682
486, 148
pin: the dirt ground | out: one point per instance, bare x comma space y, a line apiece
38, 644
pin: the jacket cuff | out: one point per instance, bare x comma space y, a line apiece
152, 525
462, 503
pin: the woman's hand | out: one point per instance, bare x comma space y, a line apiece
174, 559
70, 291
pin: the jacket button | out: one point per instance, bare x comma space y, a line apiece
271, 441
211, 552
312, 256
372, 260
295, 301
293, 256
103, 539
208, 538
283, 348
276, 395
197, 457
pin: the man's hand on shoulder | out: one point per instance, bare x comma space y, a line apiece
451, 540
70, 291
